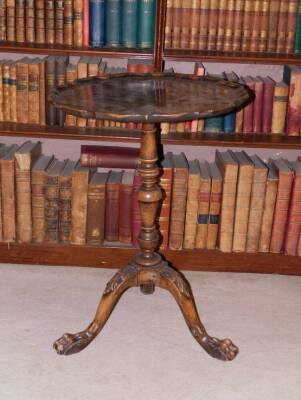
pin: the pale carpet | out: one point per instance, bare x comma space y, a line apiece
146, 352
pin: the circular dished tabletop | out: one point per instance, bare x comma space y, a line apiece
150, 98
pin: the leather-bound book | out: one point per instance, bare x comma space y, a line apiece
49, 22
33, 91
7, 198
299, 246
82, 72
229, 25
258, 104
192, 204
125, 207
268, 208
20, 21
145, 66
61, 63
293, 228
1, 90
96, 208
243, 197
68, 22
40, 34
129, 23
13, 91
297, 44
165, 183
86, 23
248, 109
52, 201
238, 24
133, 65
204, 24
22, 90
168, 24
30, 21
112, 23
50, 86
10, 20
264, 25
6, 90
78, 7
280, 101
109, 156
214, 205
80, 182
25, 158
203, 206
178, 201
65, 196
247, 25
194, 25
267, 105
38, 202
112, 206
71, 76
146, 15
274, 8
212, 24
221, 24
256, 25
186, 24
256, 203
291, 25
282, 26
229, 170
59, 21
136, 216
97, 23
286, 176
2, 20
42, 84
292, 77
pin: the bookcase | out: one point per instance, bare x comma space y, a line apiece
212, 260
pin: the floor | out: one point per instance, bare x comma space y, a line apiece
145, 351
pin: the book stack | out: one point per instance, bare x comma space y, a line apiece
79, 23
262, 26
237, 203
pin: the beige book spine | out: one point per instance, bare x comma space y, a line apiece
299, 246
23, 193
38, 184
214, 213
6, 93
279, 108
191, 211
8, 220
267, 216
203, 211
13, 93
1, 94
79, 207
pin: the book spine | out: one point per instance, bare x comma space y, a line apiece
40, 35
267, 107
78, 6
1, 93
22, 92
68, 22
65, 209
268, 215
204, 19
6, 92
30, 21
229, 122
186, 24
213, 22
247, 25
38, 184
86, 23
168, 24
248, 115
42, 106
294, 219
237, 24
129, 23
258, 107
214, 124
264, 27
146, 23
52, 209
95, 215
191, 212
280, 101
178, 209
281, 211
176, 23
112, 212
23, 205
136, 216
79, 207
282, 27
49, 22
221, 24
109, 160
33, 94
165, 183
59, 21
203, 213
60, 80
297, 44
112, 23
291, 25
125, 214
274, 9
2, 20
194, 24
256, 26
229, 25
10, 20
70, 120
20, 21
299, 246
8, 219
293, 118
214, 213
13, 92
50, 86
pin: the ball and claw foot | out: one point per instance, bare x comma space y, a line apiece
72, 343
224, 350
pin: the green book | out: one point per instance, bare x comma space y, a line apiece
146, 23
214, 124
113, 23
129, 23
298, 31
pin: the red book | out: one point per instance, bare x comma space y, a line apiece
112, 206
282, 204
125, 207
109, 156
86, 23
267, 106
292, 77
294, 217
258, 104
136, 217
249, 109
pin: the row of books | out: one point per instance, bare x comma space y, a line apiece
79, 23
236, 203
228, 25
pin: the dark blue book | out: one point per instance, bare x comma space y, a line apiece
214, 124
113, 23
129, 23
230, 119
96, 23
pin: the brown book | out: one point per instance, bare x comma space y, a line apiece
256, 25
80, 182
34, 91
68, 22
293, 228
258, 104
112, 206
256, 203
42, 84
2, 20
96, 208
212, 24
59, 21
40, 35
10, 20
292, 76
238, 24
30, 21
78, 23
50, 87
1, 90
221, 24
7, 198
291, 25
71, 76
203, 206
268, 208
185, 24
25, 157
204, 24
61, 63
229, 25
274, 8
20, 21
65, 196
49, 22
109, 156
52, 201
6, 90
267, 104
282, 204
192, 204
82, 72
280, 101
214, 205
38, 201
168, 24
243, 197
165, 182
178, 202
229, 170
264, 26
282, 26
13, 91
299, 246
247, 25
125, 207
194, 24
176, 23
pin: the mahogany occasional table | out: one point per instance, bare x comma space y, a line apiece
149, 99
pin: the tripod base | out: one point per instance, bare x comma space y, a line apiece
163, 276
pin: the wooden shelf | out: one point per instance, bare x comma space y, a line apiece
13, 47
104, 257
231, 57
133, 136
